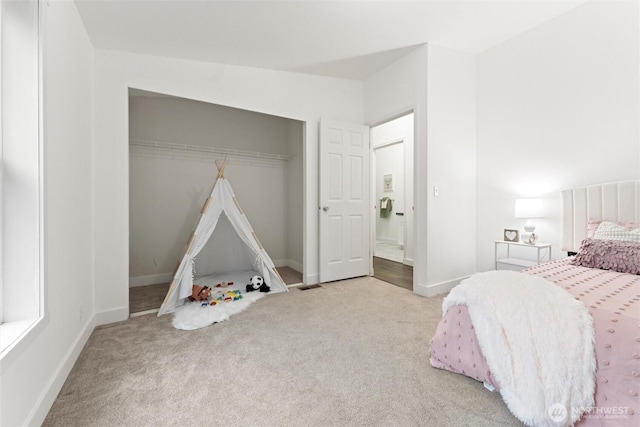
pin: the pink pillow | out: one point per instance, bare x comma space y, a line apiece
592, 226
615, 255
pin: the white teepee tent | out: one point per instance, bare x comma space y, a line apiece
237, 246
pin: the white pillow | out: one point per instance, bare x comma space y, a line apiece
612, 231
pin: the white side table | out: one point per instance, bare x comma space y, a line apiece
511, 263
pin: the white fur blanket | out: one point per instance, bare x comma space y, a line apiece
538, 341
192, 315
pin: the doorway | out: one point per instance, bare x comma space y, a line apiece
389, 200
392, 190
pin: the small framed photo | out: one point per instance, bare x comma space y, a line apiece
387, 182
511, 235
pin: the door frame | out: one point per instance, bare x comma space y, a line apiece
403, 113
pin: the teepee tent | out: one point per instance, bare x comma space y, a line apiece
223, 241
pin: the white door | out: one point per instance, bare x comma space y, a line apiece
344, 201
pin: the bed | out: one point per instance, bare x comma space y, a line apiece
611, 298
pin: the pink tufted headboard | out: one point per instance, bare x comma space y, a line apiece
615, 201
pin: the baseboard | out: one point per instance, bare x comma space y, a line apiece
112, 316
388, 241
295, 285
144, 313
294, 265
280, 262
407, 261
311, 279
44, 403
438, 288
151, 279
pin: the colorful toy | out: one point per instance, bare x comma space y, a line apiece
235, 294
257, 283
224, 284
232, 295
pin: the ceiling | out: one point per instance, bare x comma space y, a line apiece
348, 39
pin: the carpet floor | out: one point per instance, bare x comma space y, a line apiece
349, 353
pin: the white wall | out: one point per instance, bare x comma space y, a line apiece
557, 108
34, 371
401, 128
297, 96
167, 190
439, 85
451, 166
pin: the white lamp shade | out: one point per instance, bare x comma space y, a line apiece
528, 208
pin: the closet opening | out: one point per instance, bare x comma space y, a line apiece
173, 145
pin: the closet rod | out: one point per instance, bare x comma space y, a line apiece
204, 149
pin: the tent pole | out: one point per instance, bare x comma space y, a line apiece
278, 274
221, 168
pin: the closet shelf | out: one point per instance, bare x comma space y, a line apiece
204, 149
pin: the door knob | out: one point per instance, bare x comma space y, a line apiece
325, 208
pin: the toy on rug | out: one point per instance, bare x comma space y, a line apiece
257, 283
232, 295
224, 284
200, 293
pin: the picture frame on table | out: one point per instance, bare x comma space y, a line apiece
511, 235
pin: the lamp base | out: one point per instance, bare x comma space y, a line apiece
529, 237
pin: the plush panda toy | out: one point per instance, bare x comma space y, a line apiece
257, 283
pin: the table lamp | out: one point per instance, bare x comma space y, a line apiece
529, 209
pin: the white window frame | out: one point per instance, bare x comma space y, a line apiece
21, 177
1, 181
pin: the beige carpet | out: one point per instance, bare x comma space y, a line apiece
350, 353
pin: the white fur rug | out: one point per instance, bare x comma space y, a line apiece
192, 315
538, 341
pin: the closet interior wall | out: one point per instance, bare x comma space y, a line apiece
174, 143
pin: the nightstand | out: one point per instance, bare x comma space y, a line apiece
543, 254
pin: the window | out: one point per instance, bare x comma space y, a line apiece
20, 166
1, 174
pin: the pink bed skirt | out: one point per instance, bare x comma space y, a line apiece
613, 299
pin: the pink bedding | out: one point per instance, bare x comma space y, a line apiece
613, 299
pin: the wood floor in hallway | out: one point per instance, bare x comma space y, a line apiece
393, 272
